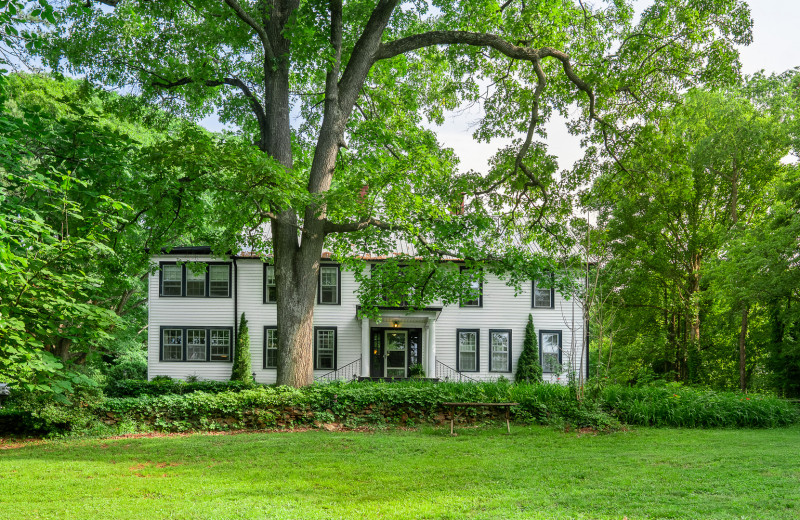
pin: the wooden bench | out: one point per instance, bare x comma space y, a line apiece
453, 407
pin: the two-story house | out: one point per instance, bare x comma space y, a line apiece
193, 320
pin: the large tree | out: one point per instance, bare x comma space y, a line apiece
339, 98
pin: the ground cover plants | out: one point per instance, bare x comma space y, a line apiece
153, 406
536, 472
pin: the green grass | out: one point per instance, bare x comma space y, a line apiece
536, 472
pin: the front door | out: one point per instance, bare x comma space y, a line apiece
395, 353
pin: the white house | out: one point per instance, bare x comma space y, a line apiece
193, 320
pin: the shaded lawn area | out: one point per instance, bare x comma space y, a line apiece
482, 473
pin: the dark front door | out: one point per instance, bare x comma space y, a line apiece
393, 351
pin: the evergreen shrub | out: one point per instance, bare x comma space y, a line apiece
242, 370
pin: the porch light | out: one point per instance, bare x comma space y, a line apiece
395, 324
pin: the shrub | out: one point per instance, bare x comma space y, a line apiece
529, 369
242, 370
167, 386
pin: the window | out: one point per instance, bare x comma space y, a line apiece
220, 345
196, 343
171, 279
543, 297
172, 344
270, 347
270, 287
468, 352
324, 348
550, 341
500, 351
477, 289
219, 281
214, 280
329, 285
195, 283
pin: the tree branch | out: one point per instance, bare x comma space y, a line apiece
349, 227
260, 31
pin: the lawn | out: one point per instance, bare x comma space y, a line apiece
535, 472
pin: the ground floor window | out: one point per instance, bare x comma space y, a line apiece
468, 340
499, 350
196, 343
550, 344
324, 348
271, 347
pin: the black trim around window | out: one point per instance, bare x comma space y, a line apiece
264, 358
335, 347
338, 285
264, 285
462, 303
477, 350
207, 290
541, 348
510, 351
184, 344
552, 296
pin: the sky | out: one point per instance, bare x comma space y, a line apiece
775, 48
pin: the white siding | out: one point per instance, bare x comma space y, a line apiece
501, 310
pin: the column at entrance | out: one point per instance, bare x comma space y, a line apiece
365, 347
430, 351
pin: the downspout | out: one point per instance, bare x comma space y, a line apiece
235, 303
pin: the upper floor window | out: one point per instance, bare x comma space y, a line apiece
270, 286
468, 351
329, 285
202, 280
476, 287
543, 297
324, 348
500, 350
270, 347
550, 341
196, 343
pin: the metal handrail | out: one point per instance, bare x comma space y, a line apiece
444, 372
349, 371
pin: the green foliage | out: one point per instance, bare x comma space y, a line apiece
681, 406
242, 370
167, 386
529, 369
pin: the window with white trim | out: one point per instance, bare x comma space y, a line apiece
219, 281
542, 296
329, 284
195, 344
220, 345
476, 287
550, 341
325, 348
171, 280
205, 280
172, 346
500, 351
467, 346
195, 283
270, 286
270, 347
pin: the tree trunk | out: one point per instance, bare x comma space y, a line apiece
742, 350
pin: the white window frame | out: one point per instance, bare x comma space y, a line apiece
164, 270
558, 350
270, 344
328, 350
192, 344
192, 277
493, 366
476, 285
460, 350
267, 285
216, 268
217, 355
172, 344
550, 297
336, 287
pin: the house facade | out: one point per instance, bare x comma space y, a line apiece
193, 320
